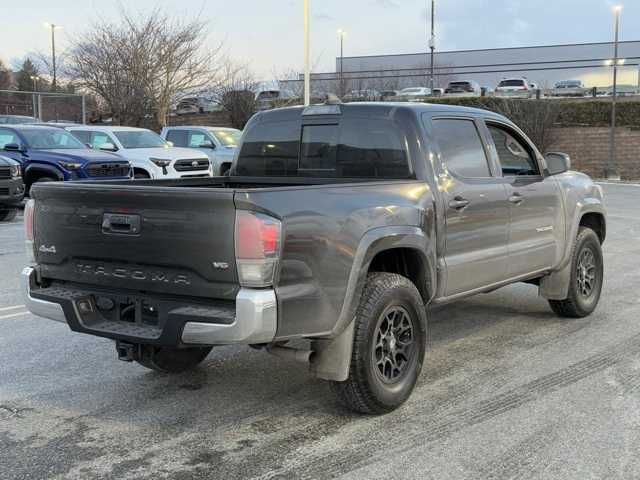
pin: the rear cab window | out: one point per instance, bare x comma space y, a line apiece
338, 147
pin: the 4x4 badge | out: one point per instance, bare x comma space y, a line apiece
45, 249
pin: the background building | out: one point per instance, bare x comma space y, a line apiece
544, 65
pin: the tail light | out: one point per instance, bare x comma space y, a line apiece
257, 242
29, 211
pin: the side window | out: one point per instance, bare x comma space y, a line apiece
178, 137
515, 158
461, 148
82, 135
196, 139
98, 139
7, 137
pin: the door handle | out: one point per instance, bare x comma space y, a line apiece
459, 203
516, 198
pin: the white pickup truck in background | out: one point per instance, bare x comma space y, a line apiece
218, 143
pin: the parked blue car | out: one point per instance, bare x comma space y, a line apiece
49, 154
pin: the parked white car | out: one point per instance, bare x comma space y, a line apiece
190, 105
362, 95
463, 88
150, 155
219, 144
414, 93
514, 87
569, 88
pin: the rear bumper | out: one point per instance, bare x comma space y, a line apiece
251, 319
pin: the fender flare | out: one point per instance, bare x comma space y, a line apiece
34, 168
555, 286
332, 356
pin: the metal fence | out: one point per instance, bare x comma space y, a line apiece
44, 106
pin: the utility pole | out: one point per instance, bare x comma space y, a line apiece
612, 170
341, 33
307, 55
432, 45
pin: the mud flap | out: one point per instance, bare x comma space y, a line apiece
332, 357
556, 285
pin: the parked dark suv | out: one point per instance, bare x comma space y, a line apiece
49, 154
11, 188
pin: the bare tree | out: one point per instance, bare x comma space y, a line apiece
235, 91
536, 118
141, 63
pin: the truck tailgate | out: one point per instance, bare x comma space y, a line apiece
156, 239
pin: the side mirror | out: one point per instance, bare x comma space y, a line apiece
13, 147
108, 147
557, 162
207, 144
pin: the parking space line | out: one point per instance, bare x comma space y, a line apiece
15, 307
19, 314
620, 184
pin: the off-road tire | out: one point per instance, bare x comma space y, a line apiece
8, 215
170, 359
577, 304
365, 391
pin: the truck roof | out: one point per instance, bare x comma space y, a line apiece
107, 128
200, 127
382, 108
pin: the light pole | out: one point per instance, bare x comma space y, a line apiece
432, 45
34, 79
341, 34
612, 171
307, 55
53, 27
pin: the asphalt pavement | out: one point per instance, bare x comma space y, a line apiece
508, 391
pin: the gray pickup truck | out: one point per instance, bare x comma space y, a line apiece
336, 230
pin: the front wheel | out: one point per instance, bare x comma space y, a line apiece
170, 359
388, 348
587, 275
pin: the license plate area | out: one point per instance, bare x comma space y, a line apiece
125, 315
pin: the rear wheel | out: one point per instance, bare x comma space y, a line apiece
171, 359
8, 215
388, 348
587, 274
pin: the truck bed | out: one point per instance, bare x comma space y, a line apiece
184, 228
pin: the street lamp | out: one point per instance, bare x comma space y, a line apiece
307, 53
341, 34
53, 28
432, 45
611, 166
34, 79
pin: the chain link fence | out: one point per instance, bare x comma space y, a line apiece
44, 106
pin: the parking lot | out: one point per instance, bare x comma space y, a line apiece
508, 391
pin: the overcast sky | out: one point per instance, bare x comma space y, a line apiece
267, 34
